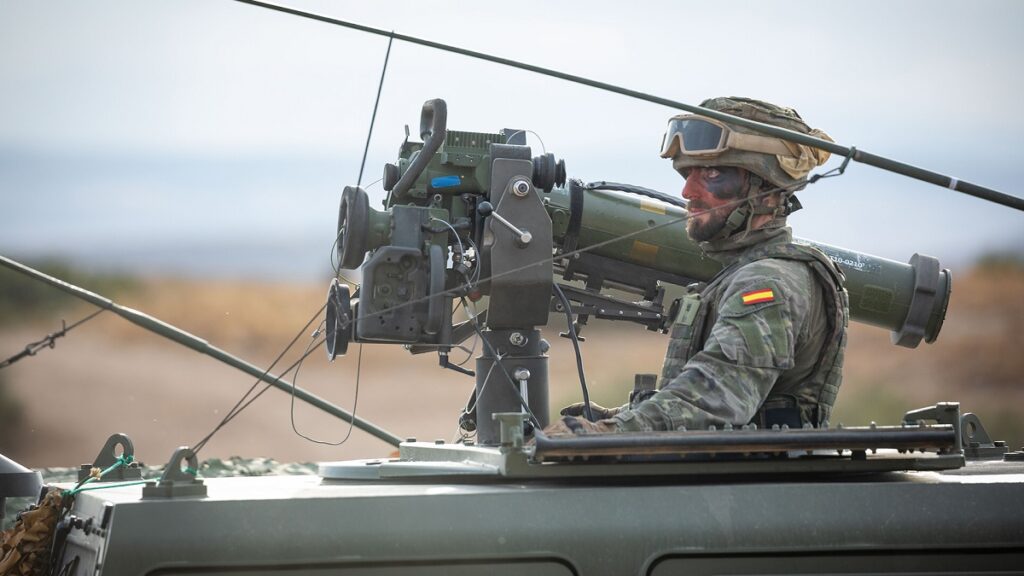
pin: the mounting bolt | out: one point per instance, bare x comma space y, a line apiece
520, 188
521, 374
517, 339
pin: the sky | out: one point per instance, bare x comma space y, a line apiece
214, 138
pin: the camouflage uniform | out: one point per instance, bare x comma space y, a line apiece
776, 354
763, 341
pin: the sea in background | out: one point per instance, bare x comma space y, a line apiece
261, 218
274, 218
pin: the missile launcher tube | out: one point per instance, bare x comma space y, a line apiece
908, 299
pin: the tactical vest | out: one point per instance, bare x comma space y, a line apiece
697, 314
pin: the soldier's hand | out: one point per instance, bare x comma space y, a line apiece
568, 425
600, 412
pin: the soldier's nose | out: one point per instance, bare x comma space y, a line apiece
690, 189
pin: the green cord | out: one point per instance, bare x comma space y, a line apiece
116, 485
122, 460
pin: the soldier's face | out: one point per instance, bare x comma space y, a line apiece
712, 194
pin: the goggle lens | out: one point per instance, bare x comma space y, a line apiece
693, 136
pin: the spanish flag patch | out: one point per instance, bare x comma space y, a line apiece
758, 296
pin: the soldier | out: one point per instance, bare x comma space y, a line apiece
763, 341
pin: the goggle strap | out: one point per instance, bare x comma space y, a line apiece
755, 143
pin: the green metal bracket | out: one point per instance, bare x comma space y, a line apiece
108, 457
176, 481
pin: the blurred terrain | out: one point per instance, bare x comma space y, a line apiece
106, 376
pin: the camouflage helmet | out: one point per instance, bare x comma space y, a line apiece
788, 169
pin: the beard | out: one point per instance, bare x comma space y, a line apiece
706, 225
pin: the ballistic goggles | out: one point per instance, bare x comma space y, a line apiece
692, 135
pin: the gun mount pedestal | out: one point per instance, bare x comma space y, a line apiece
512, 369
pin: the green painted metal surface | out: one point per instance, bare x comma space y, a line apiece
925, 521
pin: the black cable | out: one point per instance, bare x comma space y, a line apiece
639, 190
373, 117
238, 407
265, 388
567, 308
355, 401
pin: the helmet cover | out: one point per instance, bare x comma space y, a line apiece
789, 172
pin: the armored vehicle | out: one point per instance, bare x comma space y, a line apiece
478, 221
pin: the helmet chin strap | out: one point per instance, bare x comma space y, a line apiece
742, 216
739, 217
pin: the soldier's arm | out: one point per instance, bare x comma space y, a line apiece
751, 343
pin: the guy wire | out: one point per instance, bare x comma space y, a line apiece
49, 341
373, 117
238, 407
289, 369
337, 269
366, 150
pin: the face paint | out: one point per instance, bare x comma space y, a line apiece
725, 183
712, 194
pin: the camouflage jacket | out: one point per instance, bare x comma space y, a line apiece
766, 334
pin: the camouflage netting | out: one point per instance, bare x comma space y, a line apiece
25, 549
